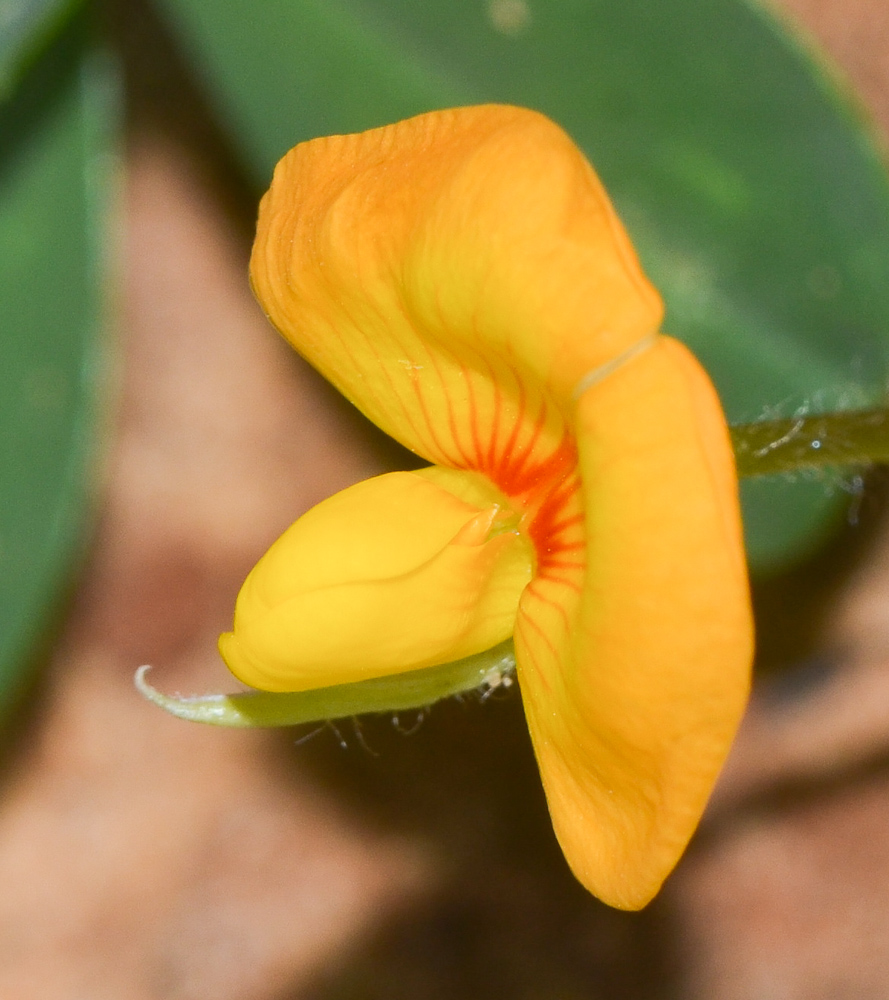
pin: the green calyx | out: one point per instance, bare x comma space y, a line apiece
397, 693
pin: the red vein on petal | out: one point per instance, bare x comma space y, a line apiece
560, 564
519, 479
561, 548
505, 459
473, 417
464, 460
568, 522
563, 581
446, 454
563, 614
497, 403
525, 620
371, 348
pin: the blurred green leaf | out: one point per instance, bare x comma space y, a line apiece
25, 27
749, 183
53, 186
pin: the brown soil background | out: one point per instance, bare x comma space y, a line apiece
145, 858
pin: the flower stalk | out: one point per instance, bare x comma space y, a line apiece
796, 444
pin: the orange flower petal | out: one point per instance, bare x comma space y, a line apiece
634, 661
454, 275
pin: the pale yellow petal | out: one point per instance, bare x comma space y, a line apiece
393, 574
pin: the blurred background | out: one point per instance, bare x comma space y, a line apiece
156, 436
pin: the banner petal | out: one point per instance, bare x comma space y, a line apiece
438, 271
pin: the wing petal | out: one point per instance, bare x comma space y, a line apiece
634, 687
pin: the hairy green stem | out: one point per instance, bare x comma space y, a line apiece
792, 444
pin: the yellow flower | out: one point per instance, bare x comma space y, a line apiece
462, 278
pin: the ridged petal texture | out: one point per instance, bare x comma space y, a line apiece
454, 275
463, 279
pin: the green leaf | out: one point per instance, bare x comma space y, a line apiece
748, 181
26, 26
53, 180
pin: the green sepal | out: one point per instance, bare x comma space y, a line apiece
397, 693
